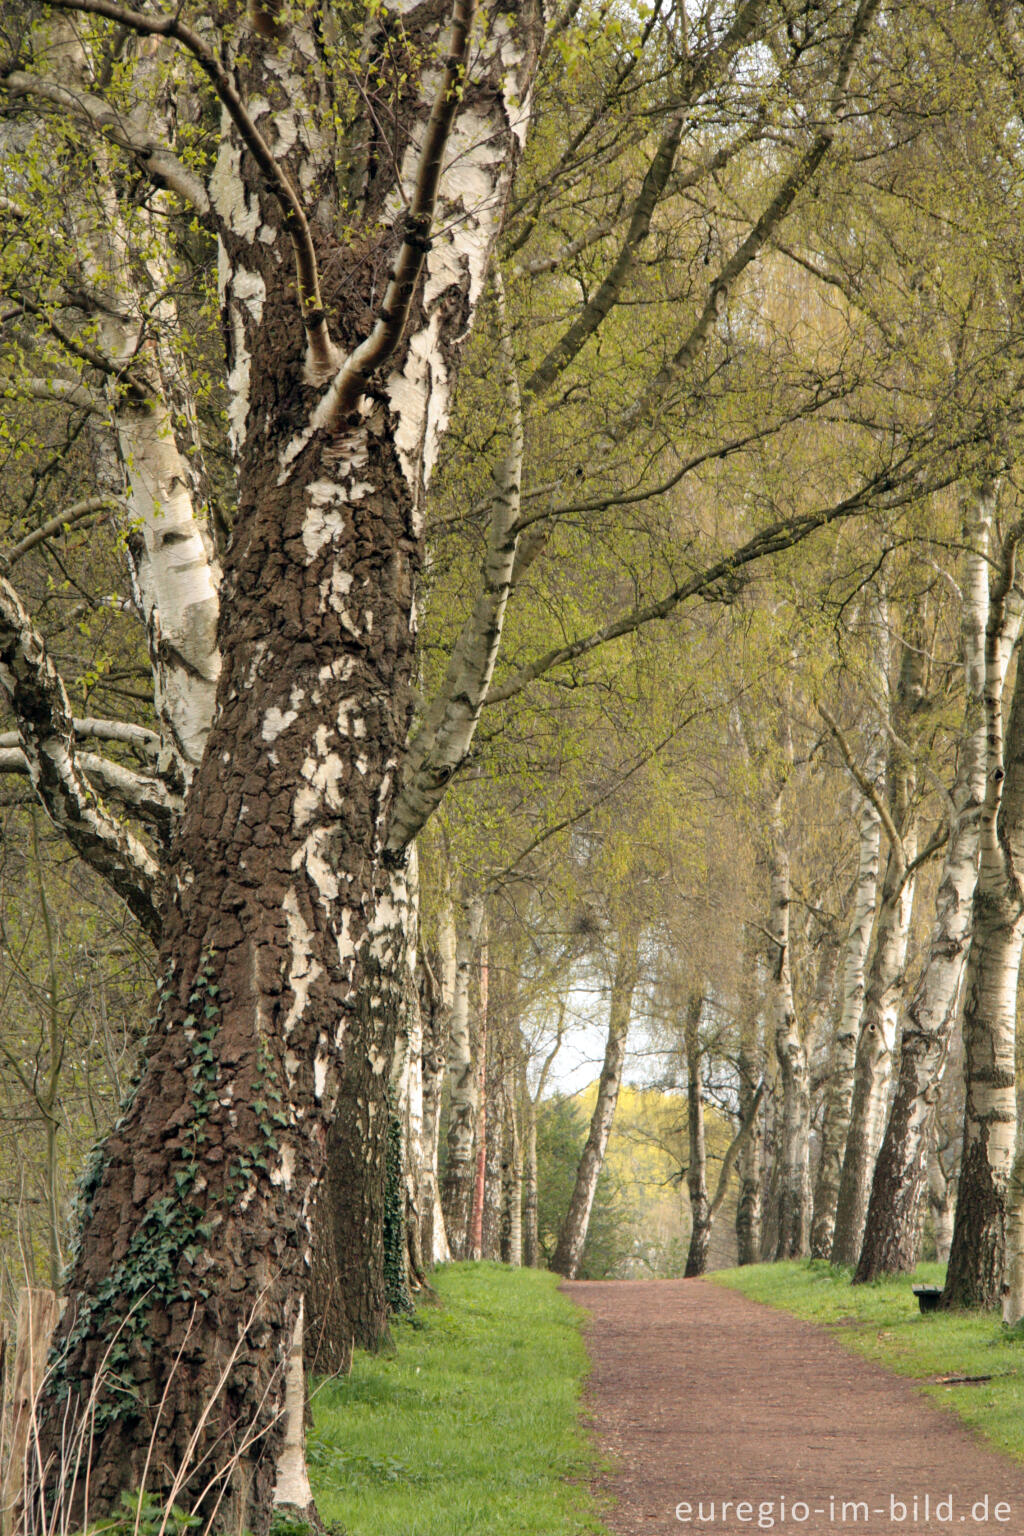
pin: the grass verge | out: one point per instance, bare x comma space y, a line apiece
470, 1425
882, 1322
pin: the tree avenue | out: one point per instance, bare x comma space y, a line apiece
571, 553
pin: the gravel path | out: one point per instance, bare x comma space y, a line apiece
700, 1397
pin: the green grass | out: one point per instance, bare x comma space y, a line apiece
882, 1322
470, 1425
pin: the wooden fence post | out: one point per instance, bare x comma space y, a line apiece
38, 1311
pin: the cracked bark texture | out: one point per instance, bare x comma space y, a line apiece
285, 930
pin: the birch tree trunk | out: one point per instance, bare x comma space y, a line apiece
494, 1163
974, 1275
941, 1203
697, 1166
572, 1237
791, 1045
875, 1046
511, 1185
839, 1093
463, 1102
436, 1011
531, 1239
159, 471
892, 1234
285, 927
476, 1219
749, 1170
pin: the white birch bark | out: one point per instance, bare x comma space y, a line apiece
36, 694
839, 1092
892, 1231
174, 574
463, 1102
941, 1203
438, 1247
572, 1238
877, 1040
988, 1194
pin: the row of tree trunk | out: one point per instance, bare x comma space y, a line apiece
873, 1173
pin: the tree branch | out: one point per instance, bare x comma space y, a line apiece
864, 784
314, 320
722, 573
142, 795
733, 1151
69, 518
450, 722
348, 384
652, 189
60, 392
40, 703
758, 237
156, 159
134, 387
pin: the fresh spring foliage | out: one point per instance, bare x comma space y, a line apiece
882, 1322
469, 1427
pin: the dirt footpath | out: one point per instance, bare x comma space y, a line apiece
723, 1417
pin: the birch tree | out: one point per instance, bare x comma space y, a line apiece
974, 1275
990, 623
573, 1234
877, 1038
282, 928
839, 1089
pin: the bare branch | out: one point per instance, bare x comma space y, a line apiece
142, 795
81, 512
751, 247
652, 189
138, 737
723, 572
864, 784
157, 160
39, 700
60, 392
